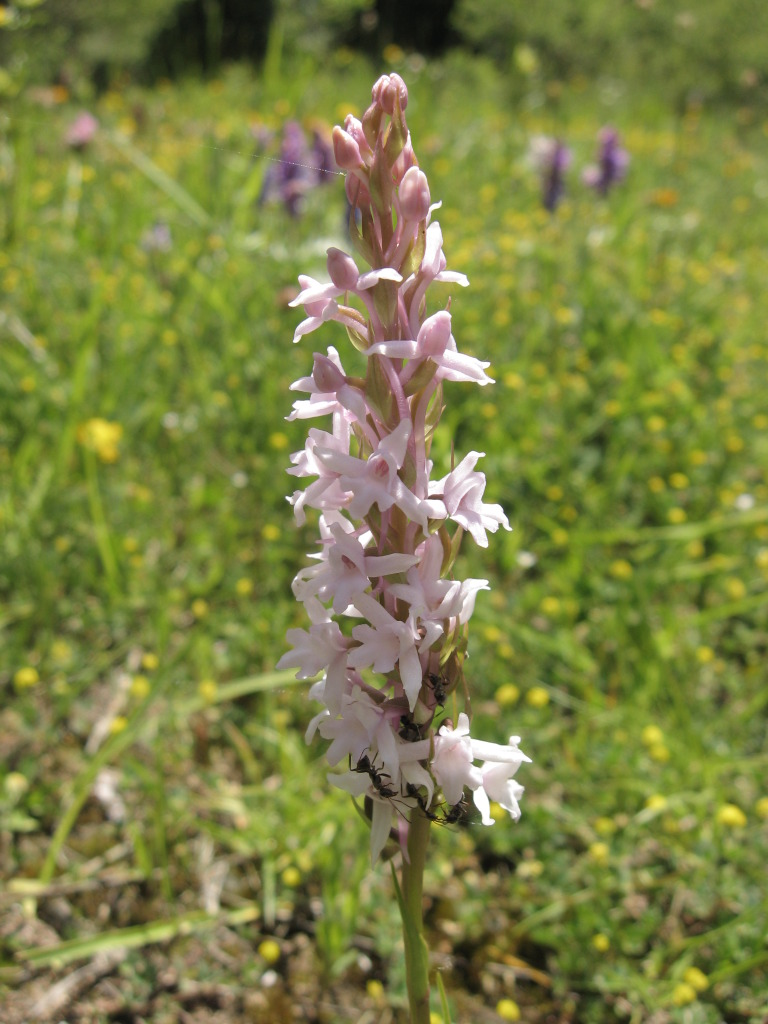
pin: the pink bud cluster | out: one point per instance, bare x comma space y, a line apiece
380, 594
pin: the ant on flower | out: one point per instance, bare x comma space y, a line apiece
364, 766
409, 730
438, 687
456, 813
415, 793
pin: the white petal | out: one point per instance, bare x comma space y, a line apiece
381, 823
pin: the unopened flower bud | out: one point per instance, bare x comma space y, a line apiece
354, 126
414, 195
346, 151
357, 191
386, 89
342, 270
378, 89
405, 160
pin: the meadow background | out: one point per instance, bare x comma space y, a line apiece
170, 849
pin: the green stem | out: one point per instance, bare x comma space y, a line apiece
100, 525
412, 911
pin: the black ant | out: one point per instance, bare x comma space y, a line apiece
415, 793
409, 731
438, 687
455, 813
377, 777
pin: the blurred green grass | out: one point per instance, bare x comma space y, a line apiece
148, 548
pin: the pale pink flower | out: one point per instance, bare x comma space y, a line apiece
452, 764
375, 480
461, 493
346, 570
436, 343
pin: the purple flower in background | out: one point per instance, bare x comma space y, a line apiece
81, 131
297, 170
552, 158
157, 238
612, 162
321, 155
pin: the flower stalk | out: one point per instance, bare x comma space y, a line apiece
388, 620
412, 914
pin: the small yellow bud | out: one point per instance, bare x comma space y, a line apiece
149, 661
550, 605
605, 826
696, 979
513, 381
508, 1009
26, 677
621, 569
101, 436
601, 942
651, 735
731, 816
683, 994
208, 688
656, 802
199, 608
278, 441
291, 877
139, 687
600, 853
244, 586
761, 808
269, 950
507, 695
492, 634
375, 989
537, 697
118, 724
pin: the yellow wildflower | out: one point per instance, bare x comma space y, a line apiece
731, 816
26, 677
102, 437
